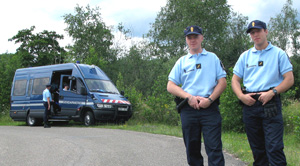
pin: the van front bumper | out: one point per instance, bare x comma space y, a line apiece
113, 113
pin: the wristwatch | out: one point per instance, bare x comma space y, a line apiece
211, 101
275, 91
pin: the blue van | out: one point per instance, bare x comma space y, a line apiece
80, 92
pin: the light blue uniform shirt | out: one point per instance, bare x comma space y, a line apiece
46, 94
198, 74
262, 69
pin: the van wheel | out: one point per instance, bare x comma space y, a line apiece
89, 119
31, 121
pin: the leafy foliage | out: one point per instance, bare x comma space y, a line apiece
38, 49
88, 31
8, 65
167, 30
231, 109
284, 29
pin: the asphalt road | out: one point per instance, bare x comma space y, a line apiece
69, 146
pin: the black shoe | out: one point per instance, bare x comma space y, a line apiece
47, 126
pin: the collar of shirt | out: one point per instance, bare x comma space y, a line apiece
266, 49
204, 52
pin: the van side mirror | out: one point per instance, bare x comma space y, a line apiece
72, 78
122, 93
83, 91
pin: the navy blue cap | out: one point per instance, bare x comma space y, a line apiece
257, 25
193, 30
48, 85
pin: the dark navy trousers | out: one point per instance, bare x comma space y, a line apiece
46, 113
206, 121
265, 135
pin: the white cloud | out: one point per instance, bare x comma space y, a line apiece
260, 9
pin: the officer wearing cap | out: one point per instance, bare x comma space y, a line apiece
266, 72
47, 99
202, 78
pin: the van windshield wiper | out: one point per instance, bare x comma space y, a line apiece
110, 92
102, 91
97, 90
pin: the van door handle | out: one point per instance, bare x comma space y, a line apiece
61, 97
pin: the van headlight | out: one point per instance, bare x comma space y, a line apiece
104, 106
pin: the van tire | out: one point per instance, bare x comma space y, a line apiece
89, 119
31, 121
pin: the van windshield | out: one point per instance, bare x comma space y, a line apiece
103, 86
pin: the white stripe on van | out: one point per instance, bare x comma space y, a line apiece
72, 102
27, 105
41, 104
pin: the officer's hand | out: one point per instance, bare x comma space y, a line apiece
265, 96
247, 99
49, 107
204, 102
193, 102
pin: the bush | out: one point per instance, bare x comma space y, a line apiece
231, 110
291, 117
157, 107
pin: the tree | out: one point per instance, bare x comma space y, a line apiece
8, 65
38, 49
237, 40
284, 32
284, 29
166, 32
92, 38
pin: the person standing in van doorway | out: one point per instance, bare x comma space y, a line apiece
266, 72
47, 104
203, 79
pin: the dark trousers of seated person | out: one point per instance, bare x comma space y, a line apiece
206, 121
265, 134
46, 113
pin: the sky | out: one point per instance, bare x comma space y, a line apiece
135, 15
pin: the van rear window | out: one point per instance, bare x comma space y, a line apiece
20, 87
39, 84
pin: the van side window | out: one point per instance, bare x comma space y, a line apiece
29, 87
20, 87
39, 84
73, 85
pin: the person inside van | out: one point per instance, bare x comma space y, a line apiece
66, 87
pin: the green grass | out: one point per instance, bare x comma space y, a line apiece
7, 121
237, 144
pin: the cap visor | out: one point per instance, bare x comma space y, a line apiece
193, 33
248, 31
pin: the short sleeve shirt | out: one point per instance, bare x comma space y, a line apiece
262, 69
46, 94
198, 74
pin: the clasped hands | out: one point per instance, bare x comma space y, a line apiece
264, 98
198, 102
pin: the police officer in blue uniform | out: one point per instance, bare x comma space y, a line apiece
266, 72
47, 104
202, 78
